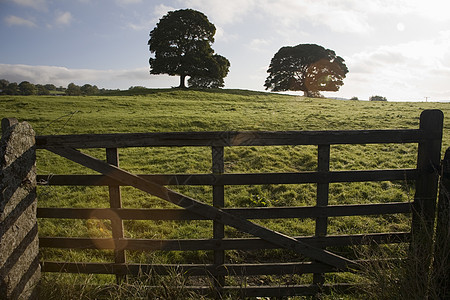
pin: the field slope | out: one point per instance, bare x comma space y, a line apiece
173, 110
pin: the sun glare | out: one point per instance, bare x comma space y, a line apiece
400, 26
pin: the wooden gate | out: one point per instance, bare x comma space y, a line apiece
428, 137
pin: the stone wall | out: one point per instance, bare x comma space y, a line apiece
19, 249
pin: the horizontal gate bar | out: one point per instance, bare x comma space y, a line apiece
233, 138
246, 213
240, 179
214, 244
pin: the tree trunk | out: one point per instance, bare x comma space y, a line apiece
182, 79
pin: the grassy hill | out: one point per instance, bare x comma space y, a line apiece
163, 110
186, 110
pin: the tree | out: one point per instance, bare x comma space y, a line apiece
11, 89
218, 70
88, 89
306, 67
3, 84
377, 98
41, 90
73, 90
50, 87
26, 88
181, 43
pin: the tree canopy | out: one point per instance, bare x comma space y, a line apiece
26, 88
181, 43
73, 90
306, 67
218, 69
88, 89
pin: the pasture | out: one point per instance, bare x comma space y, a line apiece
175, 110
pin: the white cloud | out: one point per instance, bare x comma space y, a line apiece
222, 12
145, 23
36, 4
420, 56
63, 18
62, 76
17, 21
431, 9
409, 70
224, 36
339, 16
259, 45
127, 2
137, 27
161, 10
343, 16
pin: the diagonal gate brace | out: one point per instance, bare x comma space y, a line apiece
203, 209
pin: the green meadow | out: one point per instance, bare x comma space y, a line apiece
173, 110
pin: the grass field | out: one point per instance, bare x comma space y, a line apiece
185, 110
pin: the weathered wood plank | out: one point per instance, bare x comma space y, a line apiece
233, 138
240, 179
215, 244
247, 213
205, 210
115, 201
323, 165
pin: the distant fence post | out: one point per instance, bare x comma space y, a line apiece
19, 250
441, 265
424, 206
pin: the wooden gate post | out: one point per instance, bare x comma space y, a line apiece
19, 250
424, 206
323, 165
441, 263
115, 201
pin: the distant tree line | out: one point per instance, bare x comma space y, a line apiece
26, 88
377, 98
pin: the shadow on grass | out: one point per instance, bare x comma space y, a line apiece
141, 91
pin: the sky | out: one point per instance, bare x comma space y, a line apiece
398, 49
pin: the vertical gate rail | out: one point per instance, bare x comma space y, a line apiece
115, 201
428, 137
